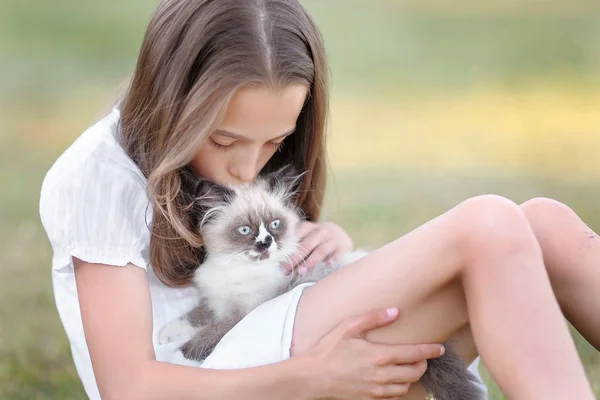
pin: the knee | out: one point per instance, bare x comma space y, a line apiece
559, 231
494, 224
544, 211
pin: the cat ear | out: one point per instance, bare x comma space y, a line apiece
210, 199
202, 190
205, 197
285, 181
208, 192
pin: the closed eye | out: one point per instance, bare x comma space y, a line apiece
276, 145
223, 147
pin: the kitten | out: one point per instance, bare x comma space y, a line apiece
248, 231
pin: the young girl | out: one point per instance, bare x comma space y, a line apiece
234, 88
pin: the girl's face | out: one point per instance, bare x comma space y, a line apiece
256, 122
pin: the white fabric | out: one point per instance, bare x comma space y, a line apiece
253, 342
93, 206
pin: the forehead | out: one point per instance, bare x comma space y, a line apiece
253, 201
262, 112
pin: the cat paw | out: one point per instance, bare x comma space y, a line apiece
350, 257
196, 350
180, 359
176, 330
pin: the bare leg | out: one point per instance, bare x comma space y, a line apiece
479, 263
571, 253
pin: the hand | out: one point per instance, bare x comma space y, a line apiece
319, 241
347, 366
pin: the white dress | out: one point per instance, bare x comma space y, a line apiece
93, 206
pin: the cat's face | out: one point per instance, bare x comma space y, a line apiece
253, 222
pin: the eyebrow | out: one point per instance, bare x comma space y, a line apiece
236, 136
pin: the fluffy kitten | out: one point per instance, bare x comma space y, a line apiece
248, 231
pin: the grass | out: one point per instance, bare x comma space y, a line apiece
433, 102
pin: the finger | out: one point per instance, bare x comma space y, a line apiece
412, 353
337, 254
305, 228
390, 391
313, 235
420, 367
407, 373
293, 260
308, 245
357, 326
319, 254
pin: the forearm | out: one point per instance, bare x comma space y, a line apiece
288, 380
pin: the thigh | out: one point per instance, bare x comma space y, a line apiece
430, 313
417, 273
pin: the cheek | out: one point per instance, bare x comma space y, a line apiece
209, 165
265, 155
238, 242
281, 234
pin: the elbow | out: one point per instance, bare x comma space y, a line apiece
124, 392
125, 388
120, 392
107, 395
111, 393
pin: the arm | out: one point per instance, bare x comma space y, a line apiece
117, 319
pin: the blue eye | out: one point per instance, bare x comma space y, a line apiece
244, 230
275, 224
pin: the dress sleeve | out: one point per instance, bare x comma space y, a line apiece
98, 213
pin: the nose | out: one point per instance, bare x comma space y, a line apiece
245, 169
262, 246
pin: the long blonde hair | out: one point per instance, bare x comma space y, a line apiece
194, 56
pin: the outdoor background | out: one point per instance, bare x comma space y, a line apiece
433, 102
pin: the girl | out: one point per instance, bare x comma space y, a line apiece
234, 88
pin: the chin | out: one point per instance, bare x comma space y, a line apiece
258, 257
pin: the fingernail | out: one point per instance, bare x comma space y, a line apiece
302, 270
442, 351
392, 312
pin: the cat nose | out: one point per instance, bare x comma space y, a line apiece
268, 240
265, 243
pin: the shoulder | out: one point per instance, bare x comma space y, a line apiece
95, 156
93, 199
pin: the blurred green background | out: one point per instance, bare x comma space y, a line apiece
433, 102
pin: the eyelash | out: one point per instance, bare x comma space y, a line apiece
277, 146
221, 147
